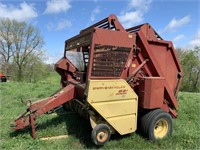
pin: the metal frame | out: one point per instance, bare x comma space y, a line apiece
142, 69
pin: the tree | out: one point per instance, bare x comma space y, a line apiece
35, 68
181, 54
18, 41
5, 44
190, 61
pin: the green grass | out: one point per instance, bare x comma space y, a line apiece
186, 128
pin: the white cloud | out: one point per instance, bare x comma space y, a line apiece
63, 24
175, 23
56, 6
94, 13
140, 4
131, 18
135, 12
196, 40
22, 13
53, 58
50, 26
178, 37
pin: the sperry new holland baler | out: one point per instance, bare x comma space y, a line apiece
129, 79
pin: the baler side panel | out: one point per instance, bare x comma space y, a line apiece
164, 57
151, 92
161, 64
116, 102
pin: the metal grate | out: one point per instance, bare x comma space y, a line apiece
109, 60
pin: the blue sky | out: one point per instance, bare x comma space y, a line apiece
58, 20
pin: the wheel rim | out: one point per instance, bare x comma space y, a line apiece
161, 128
102, 136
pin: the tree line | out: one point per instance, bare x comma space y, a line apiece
190, 62
21, 56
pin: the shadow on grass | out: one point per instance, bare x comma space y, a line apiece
40, 126
20, 132
76, 126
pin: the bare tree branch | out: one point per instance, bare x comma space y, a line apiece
18, 41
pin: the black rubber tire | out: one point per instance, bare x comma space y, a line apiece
150, 120
97, 131
3, 79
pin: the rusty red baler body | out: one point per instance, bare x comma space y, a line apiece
138, 55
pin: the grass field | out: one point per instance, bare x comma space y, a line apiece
186, 133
